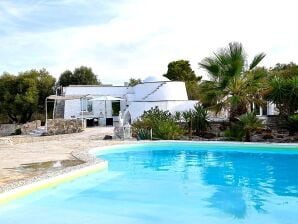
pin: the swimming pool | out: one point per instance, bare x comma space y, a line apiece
173, 183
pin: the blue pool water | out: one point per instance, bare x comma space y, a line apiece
173, 183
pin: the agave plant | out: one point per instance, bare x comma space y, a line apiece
177, 116
233, 85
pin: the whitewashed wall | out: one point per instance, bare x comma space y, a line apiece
166, 91
272, 110
136, 109
117, 91
73, 108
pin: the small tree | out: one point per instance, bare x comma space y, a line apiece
283, 91
181, 71
81, 76
23, 95
65, 78
134, 82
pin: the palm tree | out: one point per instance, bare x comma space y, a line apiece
233, 85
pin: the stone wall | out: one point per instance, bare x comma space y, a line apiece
273, 122
218, 128
64, 126
8, 129
30, 126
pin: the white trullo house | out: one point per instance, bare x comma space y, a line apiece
106, 101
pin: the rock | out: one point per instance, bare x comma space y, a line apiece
108, 137
267, 136
64, 126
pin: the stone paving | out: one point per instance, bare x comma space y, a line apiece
18, 150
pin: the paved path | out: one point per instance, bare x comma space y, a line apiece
26, 149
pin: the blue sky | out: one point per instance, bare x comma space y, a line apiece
120, 39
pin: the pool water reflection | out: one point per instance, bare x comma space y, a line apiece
174, 183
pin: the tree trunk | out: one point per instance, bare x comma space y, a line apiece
26, 117
13, 118
236, 111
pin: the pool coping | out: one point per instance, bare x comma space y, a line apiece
92, 164
19, 188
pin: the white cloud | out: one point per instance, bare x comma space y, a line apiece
144, 36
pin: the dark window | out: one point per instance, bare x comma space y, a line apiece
116, 108
257, 110
264, 109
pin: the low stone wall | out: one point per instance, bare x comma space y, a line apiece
30, 126
273, 122
8, 129
217, 128
64, 126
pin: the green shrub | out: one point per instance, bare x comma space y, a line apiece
200, 122
292, 124
167, 130
187, 118
242, 129
178, 116
234, 133
162, 123
143, 134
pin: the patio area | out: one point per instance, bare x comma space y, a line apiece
21, 150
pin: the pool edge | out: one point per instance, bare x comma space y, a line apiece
52, 181
94, 165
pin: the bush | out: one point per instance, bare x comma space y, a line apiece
234, 133
162, 123
292, 124
200, 122
187, 118
167, 130
143, 134
242, 129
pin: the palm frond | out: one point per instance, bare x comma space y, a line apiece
257, 59
211, 66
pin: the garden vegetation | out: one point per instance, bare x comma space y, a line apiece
233, 85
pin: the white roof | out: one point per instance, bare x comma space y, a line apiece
105, 98
156, 79
96, 90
